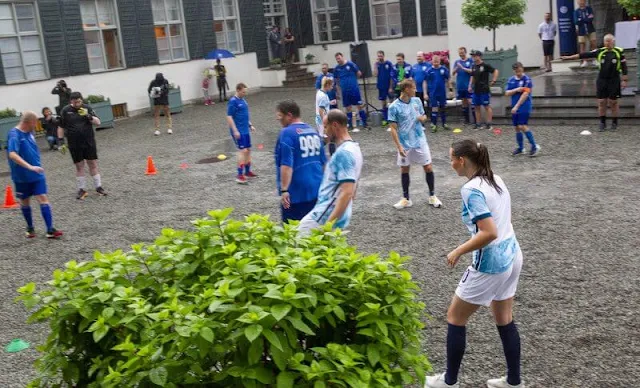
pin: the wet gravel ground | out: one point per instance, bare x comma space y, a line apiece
575, 211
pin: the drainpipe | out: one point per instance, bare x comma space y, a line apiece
355, 20
418, 18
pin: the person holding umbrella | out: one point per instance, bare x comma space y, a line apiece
220, 70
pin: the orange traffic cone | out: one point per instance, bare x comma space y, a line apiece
151, 168
9, 200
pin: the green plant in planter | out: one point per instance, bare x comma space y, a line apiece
94, 99
309, 57
8, 113
276, 62
231, 304
173, 86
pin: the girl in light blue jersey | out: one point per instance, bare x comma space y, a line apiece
492, 278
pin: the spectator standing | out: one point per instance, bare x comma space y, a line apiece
401, 71
221, 79
583, 19
333, 95
384, 84
159, 91
50, 123
547, 31
289, 46
64, 93
419, 72
275, 40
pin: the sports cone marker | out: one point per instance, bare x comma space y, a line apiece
260, 146
184, 165
497, 131
151, 168
9, 200
457, 130
222, 157
585, 133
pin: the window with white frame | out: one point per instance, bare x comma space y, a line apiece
326, 21
442, 16
100, 25
21, 45
385, 15
226, 25
169, 30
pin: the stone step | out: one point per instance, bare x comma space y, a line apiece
578, 103
565, 113
299, 83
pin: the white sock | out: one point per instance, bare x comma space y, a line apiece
80, 181
96, 181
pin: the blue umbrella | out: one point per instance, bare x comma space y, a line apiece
219, 54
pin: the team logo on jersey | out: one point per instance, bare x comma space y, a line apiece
424, 68
348, 67
386, 66
613, 60
481, 68
564, 9
442, 71
299, 131
521, 83
603, 60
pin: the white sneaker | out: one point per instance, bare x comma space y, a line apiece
355, 130
502, 383
170, 131
437, 381
157, 133
434, 201
403, 203
583, 64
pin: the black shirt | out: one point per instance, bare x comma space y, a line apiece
481, 74
609, 61
50, 126
74, 123
163, 98
63, 95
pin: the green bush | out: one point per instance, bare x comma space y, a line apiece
231, 304
8, 113
276, 61
94, 99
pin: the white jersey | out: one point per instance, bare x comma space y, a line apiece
322, 102
480, 200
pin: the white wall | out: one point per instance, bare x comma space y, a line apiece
130, 85
524, 36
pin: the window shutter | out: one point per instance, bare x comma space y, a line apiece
198, 15
136, 26
2, 80
408, 17
301, 21
254, 34
364, 19
346, 21
429, 17
54, 37
78, 62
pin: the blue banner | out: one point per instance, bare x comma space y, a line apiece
566, 28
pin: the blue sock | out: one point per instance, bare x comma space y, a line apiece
363, 117
529, 135
434, 117
456, 343
385, 113
465, 113
240, 169
45, 210
511, 345
349, 119
247, 168
520, 140
443, 116
405, 184
431, 182
26, 212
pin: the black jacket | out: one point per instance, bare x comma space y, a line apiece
163, 84
63, 95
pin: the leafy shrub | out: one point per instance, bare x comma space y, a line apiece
231, 304
8, 113
94, 99
276, 61
309, 57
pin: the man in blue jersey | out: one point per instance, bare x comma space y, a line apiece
382, 72
438, 84
338, 187
240, 128
347, 73
300, 160
462, 71
332, 94
406, 115
419, 73
27, 174
519, 89
401, 71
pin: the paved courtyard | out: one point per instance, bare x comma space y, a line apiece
575, 212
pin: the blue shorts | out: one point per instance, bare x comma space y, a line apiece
483, 99
383, 95
438, 101
463, 94
351, 97
296, 211
26, 190
520, 118
244, 142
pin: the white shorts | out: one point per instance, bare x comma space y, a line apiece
483, 288
307, 224
421, 156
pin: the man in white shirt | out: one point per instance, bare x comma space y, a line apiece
547, 31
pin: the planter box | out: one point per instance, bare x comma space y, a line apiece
104, 111
175, 101
502, 60
5, 126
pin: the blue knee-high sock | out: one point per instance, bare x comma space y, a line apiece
465, 113
350, 119
511, 345
532, 141
456, 343
240, 169
385, 113
363, 117
434, 117
26, 212
520, 140
443, 116
247, 168
405, 184
45, 210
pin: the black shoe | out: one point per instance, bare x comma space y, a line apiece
54, 234
603, 127
31, 233
614, 126
101, 191
82, 194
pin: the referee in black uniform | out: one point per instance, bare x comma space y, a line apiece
76, 123
612, 63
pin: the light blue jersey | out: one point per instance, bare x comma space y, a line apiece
480, 200
344, 166
322, 102
405, 115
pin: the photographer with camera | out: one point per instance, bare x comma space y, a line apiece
64, 94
